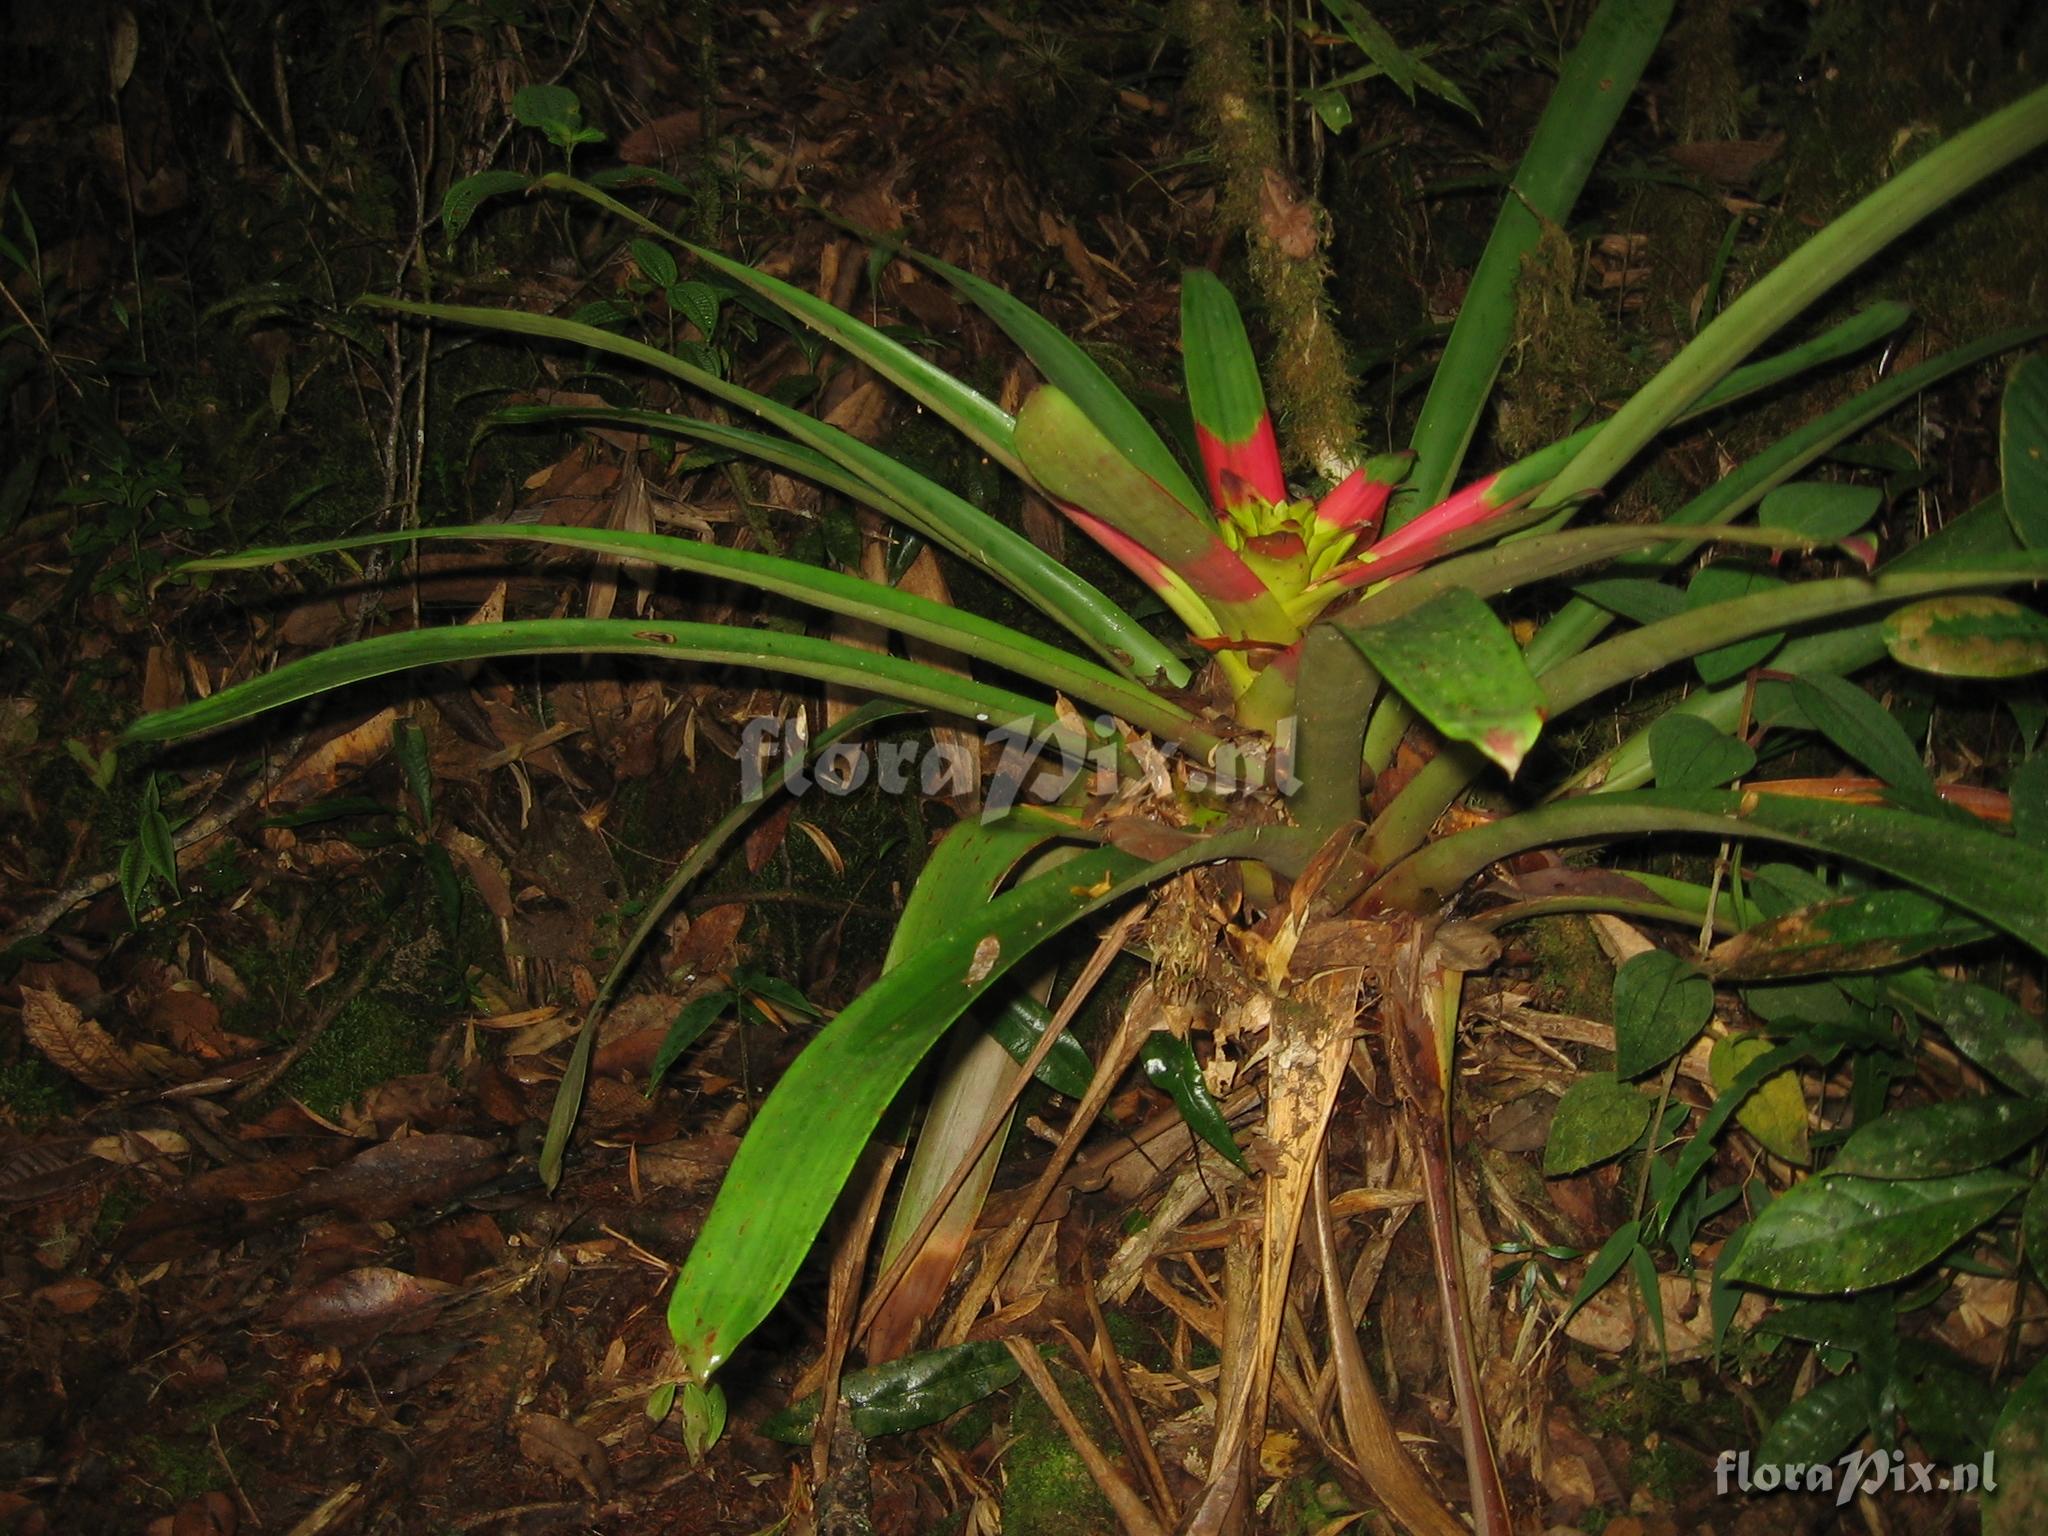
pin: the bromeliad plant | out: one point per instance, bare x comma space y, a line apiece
1348, 615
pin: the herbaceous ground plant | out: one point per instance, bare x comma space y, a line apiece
1338, 624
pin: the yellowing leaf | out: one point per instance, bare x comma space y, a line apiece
1776, 1113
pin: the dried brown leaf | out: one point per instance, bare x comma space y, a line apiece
77, 1045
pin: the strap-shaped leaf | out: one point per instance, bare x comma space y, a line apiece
1937, 178
1239, 452
1598, 78
802, 1146
936, 512
980, 418
1981, 872
1873, 930
1643, 651
1077, 464
1578, 623
1457, 663
833, 591
823, 661
1076, 373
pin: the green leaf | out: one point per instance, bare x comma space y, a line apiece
1644, 1268
555, 111
1599, 1117
2023, 451
1222, 375
801, 655
1020, 1023
1929, 183
1844, 1234
2019, 1450
134, 874
1722, 584
1863, 1327
956, 629
907, 1393
2034, 1226
1977, 870
1822, 1424
1635, 598
1968, 635
1170, 1065
1944, 1402
1873, 930
1934, 1139
1774, 1110
159, 848
654, 262
1820, 509
1984, 1025
1660, 1006
1606, 1264
1460, 667
1688, 753
703, 1417
1599, 76
1723, 1299
696, 302
1375, 42
1067, 368
462, 199
803, 1144
546, 106
901, 492
409, 743
690, 1022
2028, 793
1862, 730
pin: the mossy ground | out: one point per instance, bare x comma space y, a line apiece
1046, 1487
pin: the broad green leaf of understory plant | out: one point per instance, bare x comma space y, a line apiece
1460, 667
1822, 1424
1845, 1234
1864, 730
1714, 584
2023, 451
1660, 1006
1934, 1139
1971, 634
906, 1393
1686, 753
1169, 1065
1820, 509
1873, 930
1986, 1026
556, 112
1599, 1117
